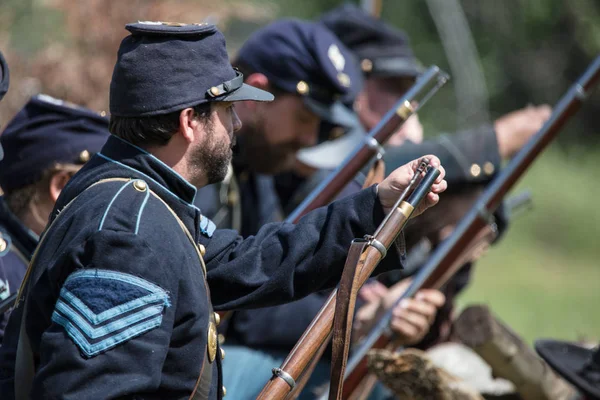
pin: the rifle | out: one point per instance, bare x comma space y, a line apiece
359, 382
364, 256
427, 85
477, 223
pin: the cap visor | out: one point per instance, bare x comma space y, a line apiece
568, 360
247, 92
336, 113
331, 154
396, 68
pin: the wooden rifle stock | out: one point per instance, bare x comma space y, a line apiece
474, 227
426, 86
319, 331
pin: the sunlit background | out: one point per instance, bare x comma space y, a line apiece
543, 279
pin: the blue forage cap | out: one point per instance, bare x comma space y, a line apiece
381, 49
164, 67
305, 58
45, 132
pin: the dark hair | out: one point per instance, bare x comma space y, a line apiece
19, 199
155, 130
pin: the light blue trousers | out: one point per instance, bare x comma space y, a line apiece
246, 371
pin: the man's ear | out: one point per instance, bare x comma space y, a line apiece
362, 107
57, 183
188, 124
257, 80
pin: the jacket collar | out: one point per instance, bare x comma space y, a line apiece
139, 159
120, 159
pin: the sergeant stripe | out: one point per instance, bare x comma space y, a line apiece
74, 302
74, 319
89, 349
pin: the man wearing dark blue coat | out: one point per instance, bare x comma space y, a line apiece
119, 298
45, 144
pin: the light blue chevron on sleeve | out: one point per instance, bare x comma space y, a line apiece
100, 309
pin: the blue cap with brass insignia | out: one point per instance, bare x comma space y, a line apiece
381, 49
164, 67
4, 80
45, 132
305, 58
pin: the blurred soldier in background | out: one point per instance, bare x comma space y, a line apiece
305, 66
45, 144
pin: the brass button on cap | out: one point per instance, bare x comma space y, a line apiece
3, 245
140, 185
214, 91
366, 65
202, 249
488, 168
217, 319
222, 354
224, 391
84, 156
475, 170
302, 88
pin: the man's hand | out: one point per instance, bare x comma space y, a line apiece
515, 129
390, 189
412, 318
372, 291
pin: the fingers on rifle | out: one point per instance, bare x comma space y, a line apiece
412, 324
408, 308
442, 175
439, 187
431, 296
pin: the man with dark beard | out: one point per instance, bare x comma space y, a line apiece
118, 299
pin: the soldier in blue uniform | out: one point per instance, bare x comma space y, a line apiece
45, 144
118, 299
